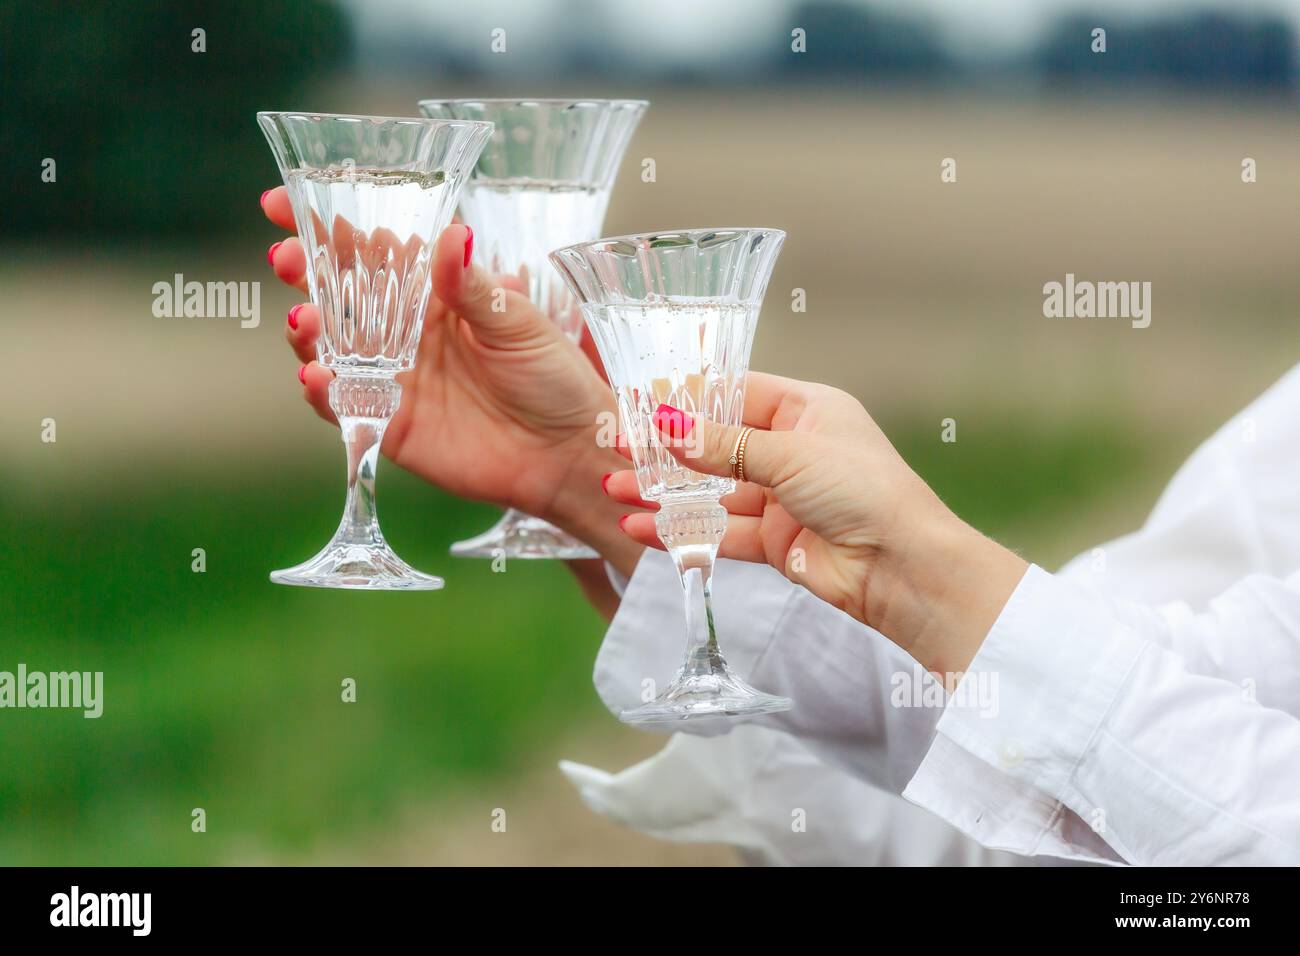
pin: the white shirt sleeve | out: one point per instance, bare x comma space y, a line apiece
617, 579
1103, 729
764, 793
840, 763
858, 707
1228, 515
845, 679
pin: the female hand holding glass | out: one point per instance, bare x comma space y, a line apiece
1091, 701
827, 501
500, 407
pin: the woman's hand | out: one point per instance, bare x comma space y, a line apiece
830, 504
501, 406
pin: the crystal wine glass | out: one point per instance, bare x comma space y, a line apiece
673, 315
370, 197
543, 181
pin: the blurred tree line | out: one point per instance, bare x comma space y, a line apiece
1200, 51
151, 137
147, 134
851, 41
1237, 51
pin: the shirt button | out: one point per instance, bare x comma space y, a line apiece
1010, 754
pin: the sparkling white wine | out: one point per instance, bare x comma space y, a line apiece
685, 352
519, 221
371, 236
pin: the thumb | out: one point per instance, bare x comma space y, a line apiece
501, 317
706, 446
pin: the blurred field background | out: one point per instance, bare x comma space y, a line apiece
923, 299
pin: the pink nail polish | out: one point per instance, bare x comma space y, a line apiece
293, 316
469, 246
604, 482
673, 421
270, 253
622, 522
302, 374
262, 201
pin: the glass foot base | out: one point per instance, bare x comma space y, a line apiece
706, 695
518, 535
360, 567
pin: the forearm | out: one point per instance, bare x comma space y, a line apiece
937, 593
581, 509
593, 579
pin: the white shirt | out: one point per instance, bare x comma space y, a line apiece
1146, 707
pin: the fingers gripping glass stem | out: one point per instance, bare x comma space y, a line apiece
673, 315
370, 195
543, 181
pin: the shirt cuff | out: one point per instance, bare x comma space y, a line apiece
1052, 665
617, 579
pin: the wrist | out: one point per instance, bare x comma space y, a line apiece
939, 592
581, 507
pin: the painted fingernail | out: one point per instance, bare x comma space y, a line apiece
622, 521
302, 374
604, 482
270, 253
675, 422
262, 201
469, 245
293, 316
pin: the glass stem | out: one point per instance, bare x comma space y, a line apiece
692, 531
363, 406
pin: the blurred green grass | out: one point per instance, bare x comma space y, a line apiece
222, 691
1045, 488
